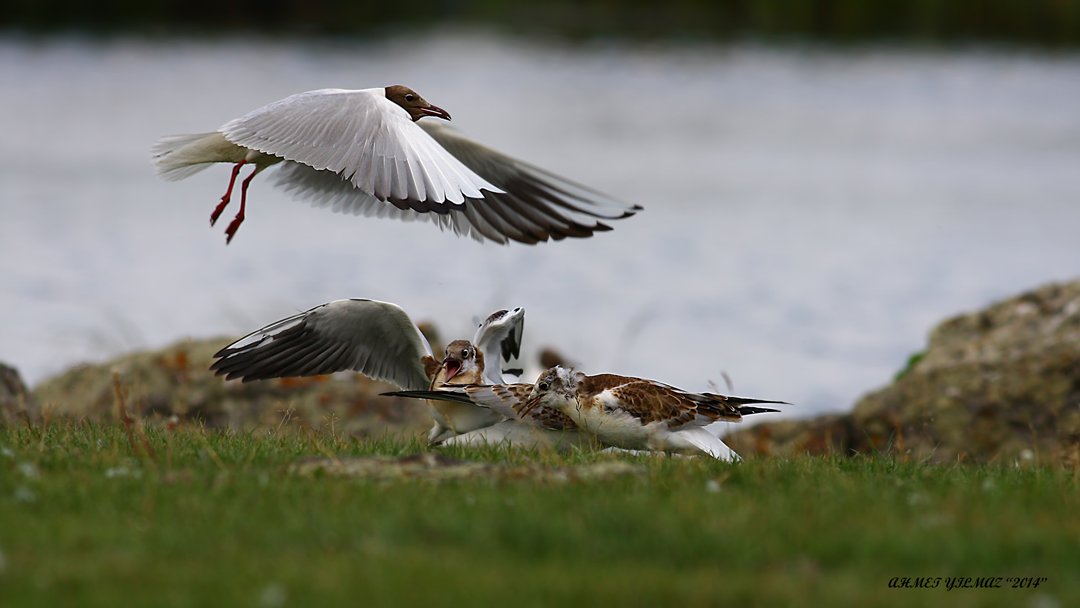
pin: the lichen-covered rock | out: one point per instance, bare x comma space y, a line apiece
1002, 384
177, 381
16, 402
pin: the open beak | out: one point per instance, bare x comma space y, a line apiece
452, 368
435, 111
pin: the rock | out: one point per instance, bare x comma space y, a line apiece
999, 385
16, 402
177, 381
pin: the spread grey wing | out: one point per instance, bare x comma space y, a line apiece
374, 338
322, 188
535, 205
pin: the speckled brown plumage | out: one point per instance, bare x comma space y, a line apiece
431, 366
507, 399
652, 401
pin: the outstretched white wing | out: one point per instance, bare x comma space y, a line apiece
366, 139
532, 204
499, 338
374, 338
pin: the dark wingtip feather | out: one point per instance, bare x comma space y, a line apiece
437, 395
746, 410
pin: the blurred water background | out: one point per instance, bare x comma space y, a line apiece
810, 211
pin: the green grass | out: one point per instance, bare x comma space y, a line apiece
219, 520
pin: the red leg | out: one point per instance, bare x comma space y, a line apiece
228, 194
239, 219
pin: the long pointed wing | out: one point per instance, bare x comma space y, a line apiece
374, 338
330, 190
651, 401
502, 398
534, 204
506, 399
479, 219
499, 338
364, 137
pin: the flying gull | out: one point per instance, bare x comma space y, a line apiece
364, 152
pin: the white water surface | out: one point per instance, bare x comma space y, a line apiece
809, 214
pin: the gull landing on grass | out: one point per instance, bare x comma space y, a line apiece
364, 152
379, 340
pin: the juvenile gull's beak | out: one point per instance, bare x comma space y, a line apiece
453, 366
435, 111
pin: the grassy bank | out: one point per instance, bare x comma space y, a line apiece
207, 518
1039, 22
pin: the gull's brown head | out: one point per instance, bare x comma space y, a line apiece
413, 103
461, 355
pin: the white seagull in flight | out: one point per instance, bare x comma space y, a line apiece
379, 340
364, 152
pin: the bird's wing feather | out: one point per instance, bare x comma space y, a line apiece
651, 401
374, 338
500, 398
703, 440
499, 338
499, 220
509, 400
531, 197
332, 191
365, 138
506, 399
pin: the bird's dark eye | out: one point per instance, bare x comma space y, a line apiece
410, 97
542, 386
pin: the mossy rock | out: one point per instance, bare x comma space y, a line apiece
176, 381
1001, 384
16, 402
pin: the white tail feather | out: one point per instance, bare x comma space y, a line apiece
702, 440
180, 156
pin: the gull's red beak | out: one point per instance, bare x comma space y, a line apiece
452, 368
435, 111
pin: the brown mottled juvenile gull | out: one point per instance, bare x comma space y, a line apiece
638, 414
